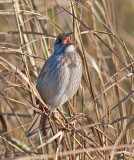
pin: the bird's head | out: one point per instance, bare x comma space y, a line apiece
63, 40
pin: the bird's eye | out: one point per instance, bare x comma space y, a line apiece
59, 40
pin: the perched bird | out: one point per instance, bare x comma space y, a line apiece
59, 78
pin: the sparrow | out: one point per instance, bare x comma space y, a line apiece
59, 79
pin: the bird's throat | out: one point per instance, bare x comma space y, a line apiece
69, 47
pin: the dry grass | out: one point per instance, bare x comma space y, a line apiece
98, 122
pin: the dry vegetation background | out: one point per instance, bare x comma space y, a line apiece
98, 122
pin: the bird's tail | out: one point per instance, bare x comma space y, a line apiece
38, 124
35, 125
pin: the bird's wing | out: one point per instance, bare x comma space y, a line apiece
53, 80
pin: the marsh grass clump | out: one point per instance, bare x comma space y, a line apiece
97, 123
